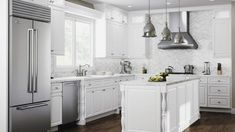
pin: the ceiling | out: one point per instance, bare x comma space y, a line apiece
158, 4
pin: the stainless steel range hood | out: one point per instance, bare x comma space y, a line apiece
189, 42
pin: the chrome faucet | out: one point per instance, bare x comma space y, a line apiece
82, 71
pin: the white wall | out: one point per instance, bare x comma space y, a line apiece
3, 64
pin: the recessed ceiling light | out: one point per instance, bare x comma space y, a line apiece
211, 0
129, 6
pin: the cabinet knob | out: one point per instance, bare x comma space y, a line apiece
104, 90
219, 81
89, 84
92, 91
112, 18
56, 88
218, 102
218, 90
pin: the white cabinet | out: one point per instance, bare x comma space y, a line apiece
222, 34
40, 2
112, 42
203, 95
59, 3
101, 96
116, 41
57, 31
137, 47
215, 92
56, 104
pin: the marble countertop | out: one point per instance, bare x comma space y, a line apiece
169, 82
88, 77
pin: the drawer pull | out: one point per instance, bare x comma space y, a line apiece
219, 90
56, 88
218, 102
104, 90
219, 81
92, 91
89, 84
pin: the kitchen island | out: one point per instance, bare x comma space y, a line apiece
169, 106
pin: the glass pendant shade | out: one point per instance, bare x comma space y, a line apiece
149, 29
166, 33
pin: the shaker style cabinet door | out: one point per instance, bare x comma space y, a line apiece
56, 109
57, 31
203, 95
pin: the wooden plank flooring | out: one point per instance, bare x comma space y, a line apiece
209, 122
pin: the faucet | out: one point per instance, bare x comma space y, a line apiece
82, 71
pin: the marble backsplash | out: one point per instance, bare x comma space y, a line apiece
200, 29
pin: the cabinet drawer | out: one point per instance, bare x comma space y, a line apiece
219, 102
56, 87
219, 80
99, 83
218, 90
203, 79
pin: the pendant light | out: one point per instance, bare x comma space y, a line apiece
166, 33
149, 29
179, 39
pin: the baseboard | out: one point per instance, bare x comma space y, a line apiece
217, 110
233, 111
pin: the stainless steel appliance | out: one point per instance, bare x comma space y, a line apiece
29, 67
70, 102
169, 69
188, 69
126, 67
207, 70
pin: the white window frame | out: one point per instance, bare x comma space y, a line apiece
79, 19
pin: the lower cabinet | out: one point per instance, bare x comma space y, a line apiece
56, 105
203, 95
101, 100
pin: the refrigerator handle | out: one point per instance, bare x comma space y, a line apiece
31, 106
35, 89
29, 59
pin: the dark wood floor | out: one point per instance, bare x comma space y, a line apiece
209, 122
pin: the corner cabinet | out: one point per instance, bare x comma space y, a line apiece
57, 31
222, 34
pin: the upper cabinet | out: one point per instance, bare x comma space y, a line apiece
40, 2
111, 42
222, 34
59, 3
57, 31
137, 45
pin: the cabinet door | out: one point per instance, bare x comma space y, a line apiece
222, 34
181, 92
57, 31
136, 43
111, 39
203, 95
108, 99
89, 103
115, 98
172, 115
123, 41
56, 109
59, 3
98, 107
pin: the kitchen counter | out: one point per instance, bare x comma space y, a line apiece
88, 77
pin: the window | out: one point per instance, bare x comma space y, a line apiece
78, 43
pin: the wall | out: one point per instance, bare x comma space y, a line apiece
200, 29
3, 65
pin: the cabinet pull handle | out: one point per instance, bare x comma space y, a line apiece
218, 102
219, 81
218, 90
104, 90
92, 91
89, 84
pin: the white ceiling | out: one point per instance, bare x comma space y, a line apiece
158, 4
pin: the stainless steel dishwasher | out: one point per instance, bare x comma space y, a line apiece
70, 102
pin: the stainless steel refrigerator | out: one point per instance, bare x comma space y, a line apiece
29, 67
